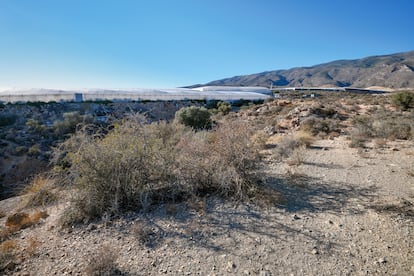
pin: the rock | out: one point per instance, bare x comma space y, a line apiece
265, 273
231, 265
382, 260
315, 251
295, 217
91, 227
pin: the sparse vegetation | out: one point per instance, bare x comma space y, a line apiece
71, 120
384, 125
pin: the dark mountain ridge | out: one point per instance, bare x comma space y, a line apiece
391, 71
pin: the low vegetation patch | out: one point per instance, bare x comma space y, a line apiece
137, 165
403, 100
385, 125
40, 192
22, 220
194, 117
103, 263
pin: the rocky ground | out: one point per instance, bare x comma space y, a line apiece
343, 211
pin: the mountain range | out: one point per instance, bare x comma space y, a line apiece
390, 71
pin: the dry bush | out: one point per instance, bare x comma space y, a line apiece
304, 138
142, 232
8, 246
380, 143
2, 214
122, 170
103, 263
7, 253
32, 247
18, 221
40, 192
137, 165
297, 157
293, 145
384, 125
198, 204
223, 161
22, 220
319, 126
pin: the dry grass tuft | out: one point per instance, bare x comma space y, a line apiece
22, 220
142, 232
198, 204
103, 263
7, 254
40, 192
8, 246
32, 247
297, 157
18, 221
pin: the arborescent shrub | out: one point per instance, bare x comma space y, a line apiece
7, 119
403, 100
194, 117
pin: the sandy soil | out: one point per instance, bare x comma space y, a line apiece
345, 212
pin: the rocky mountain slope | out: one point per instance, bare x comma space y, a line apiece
392, 71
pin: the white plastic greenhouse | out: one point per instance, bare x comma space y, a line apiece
223, 93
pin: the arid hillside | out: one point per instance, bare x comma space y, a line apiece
389, 71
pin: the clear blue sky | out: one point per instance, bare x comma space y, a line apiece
170, 43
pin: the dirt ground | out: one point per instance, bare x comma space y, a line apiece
343, 211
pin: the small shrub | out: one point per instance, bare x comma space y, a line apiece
7, 119
103, 263
35, 126
297, 157
18, 221
32, 247
71, 120
403, 100
7, 253
142, 232
319, 126
224, 107
22, 220
40, 192
293, 145
137, 165
20, 150
194, 117
34, 150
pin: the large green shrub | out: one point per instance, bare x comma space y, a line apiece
7, 119
403, 100
194, 117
